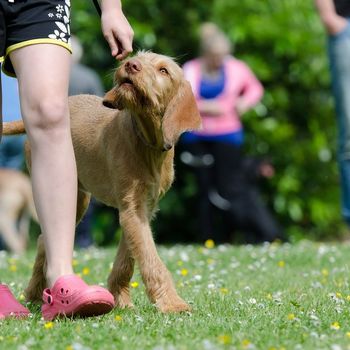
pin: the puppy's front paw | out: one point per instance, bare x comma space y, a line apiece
172, 304
123, 300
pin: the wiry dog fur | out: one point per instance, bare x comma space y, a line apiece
124, 151
16, 209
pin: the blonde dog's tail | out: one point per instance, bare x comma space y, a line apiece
13, 128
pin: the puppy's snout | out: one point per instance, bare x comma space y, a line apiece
133, 66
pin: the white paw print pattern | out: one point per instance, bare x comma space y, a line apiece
62, 32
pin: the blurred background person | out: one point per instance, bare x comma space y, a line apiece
83, 80
225, 88
11, 147
335, 16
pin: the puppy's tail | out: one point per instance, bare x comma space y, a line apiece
13, 128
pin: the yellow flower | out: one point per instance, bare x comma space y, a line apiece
134, 284
209, 243
13, 268
245, 343
335, 326
269, 296
339, 283
281, 263
338, 295
347, 334
48, 325
22, 297
86, 271
325, 272
224, 339
348, 297
224, 290
118, 318
184, 272
291, 317
69, 347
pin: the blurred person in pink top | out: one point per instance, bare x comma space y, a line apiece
225, 88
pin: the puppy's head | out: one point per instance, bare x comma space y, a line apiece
154, 84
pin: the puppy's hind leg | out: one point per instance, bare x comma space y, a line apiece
121, 274
37, 282
82, 205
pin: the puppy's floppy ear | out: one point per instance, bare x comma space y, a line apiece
110, 99
181, 115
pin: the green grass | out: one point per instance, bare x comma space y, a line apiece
265, 297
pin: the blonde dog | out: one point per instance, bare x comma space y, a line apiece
16, 209
124, 148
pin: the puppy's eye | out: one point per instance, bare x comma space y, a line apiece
164, 71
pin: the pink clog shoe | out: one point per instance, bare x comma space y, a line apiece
9, 306
71, 296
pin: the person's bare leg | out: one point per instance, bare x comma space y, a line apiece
43, 74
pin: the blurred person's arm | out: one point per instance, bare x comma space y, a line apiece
251, 94
210, 108
329, 17
116, 28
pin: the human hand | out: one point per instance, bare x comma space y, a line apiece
267, 170
210, 107
116, 29
241, 106
333, 23
336, 25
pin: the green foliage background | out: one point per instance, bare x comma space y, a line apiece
285, 45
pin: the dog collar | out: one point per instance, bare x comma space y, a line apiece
143, 139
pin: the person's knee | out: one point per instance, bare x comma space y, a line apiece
50, 116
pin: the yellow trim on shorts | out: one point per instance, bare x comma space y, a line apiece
2, 59
32, 42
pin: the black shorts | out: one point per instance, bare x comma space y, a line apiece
29, 22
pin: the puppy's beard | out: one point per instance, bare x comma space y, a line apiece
132, 97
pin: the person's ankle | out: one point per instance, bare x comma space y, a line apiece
53, 276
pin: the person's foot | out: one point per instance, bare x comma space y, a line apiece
9, 306
71, 296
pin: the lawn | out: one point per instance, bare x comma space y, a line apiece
269, 297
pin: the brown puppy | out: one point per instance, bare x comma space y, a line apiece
16, 209
125, 160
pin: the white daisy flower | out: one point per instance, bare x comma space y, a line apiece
59, 8
50, 15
